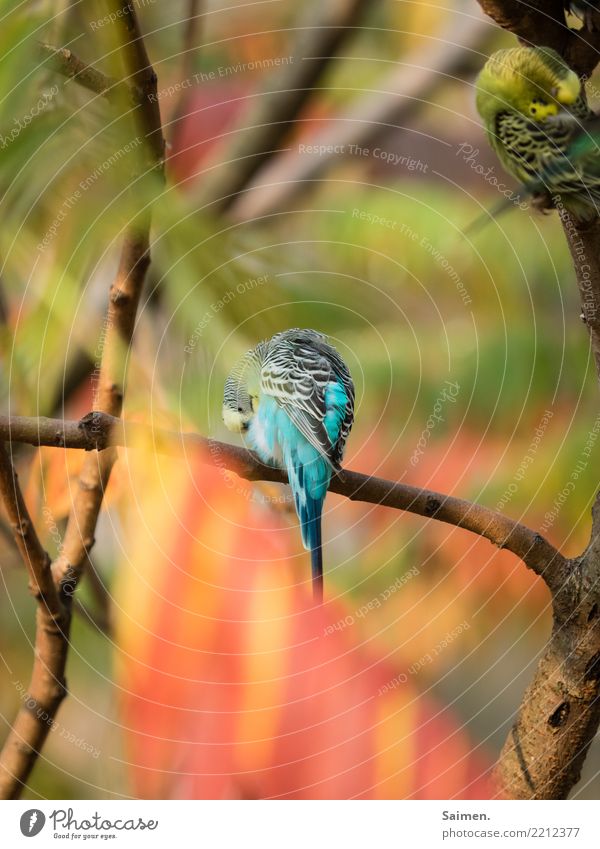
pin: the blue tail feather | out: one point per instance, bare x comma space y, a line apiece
309, 511
311, 535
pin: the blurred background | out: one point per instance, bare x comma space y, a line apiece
198, 667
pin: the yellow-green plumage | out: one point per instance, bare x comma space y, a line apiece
538, 122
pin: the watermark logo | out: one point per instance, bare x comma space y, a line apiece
32, 822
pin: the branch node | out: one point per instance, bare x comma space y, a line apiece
119, 296
559, 716
432, 505
90, 486
592, 670
23, 526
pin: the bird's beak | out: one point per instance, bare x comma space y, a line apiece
568, 91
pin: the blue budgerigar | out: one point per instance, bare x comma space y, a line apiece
293, 399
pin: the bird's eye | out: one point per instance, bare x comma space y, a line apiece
240, 410
538, 106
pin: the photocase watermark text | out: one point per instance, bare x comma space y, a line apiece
448, 394
470, 156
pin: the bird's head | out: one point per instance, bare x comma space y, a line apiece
534, 81
238, 407
240, 396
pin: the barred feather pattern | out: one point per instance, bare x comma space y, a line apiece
297, 368
559, 157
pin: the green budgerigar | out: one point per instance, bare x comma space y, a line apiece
537, 120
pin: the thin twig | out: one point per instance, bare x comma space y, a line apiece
191, 35
65, 62
47, 687
399, 95
560, 711
124, 298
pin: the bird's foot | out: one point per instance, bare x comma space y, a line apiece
542, 202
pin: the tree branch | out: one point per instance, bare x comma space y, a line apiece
47, 687
98, 431
34, 556
584, 245
191, 35
560, 711
64, 61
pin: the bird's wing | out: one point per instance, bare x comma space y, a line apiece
346, 415
526, 147
576, 172
296, 374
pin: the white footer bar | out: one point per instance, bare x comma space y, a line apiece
300, 824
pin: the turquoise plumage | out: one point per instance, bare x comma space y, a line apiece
293, 398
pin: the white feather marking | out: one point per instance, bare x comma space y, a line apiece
259, 439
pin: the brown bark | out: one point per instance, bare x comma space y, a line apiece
584, 245
97, 430
47, 688
560, 711
65, 62
122, 308
324, 28
123, 303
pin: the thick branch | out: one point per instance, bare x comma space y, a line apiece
47, 687
319, 36
34, 556
560, 711
97, 431
140, 74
